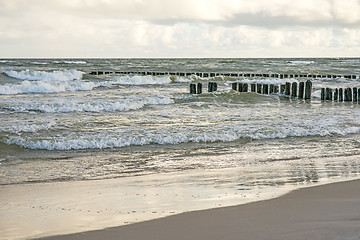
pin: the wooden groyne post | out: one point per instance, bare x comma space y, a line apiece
308, 87
195, 88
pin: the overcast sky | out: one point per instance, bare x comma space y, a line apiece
179, 28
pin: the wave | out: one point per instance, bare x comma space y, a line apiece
46, 87
121, 105
300, 62
74, 62
64, 75
46, 82
39, 63
119, 138
141, 80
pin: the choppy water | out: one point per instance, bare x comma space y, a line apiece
59, 123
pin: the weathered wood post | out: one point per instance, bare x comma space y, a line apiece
259, 88
282, 89
336, 94
308, 87
322, 94
294, 89
301, 90
265, 89
347, 95
199, 88
276, 89
245, 87
253, 87
341, 95
328, 94
234, 86
287, 88
240, 87
355, 94
192, 88
272, 88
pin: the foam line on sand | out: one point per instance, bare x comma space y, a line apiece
329, 211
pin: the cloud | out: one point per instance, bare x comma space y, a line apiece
179, 28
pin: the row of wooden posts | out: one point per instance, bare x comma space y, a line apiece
301, 90
340, 94
214, 74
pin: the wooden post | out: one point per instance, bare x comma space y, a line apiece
271, 90
336, 94
276, 89
287, 88
308, 87
341, 95
328, 94
253, 87
301, 90
245, 87
192, 88
355, 94
282, 89
234, 86
210, 86
294, 89
199, 88
348, 95
240, 87
265, 89
259, 88
322, 94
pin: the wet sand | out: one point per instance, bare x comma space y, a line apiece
322, 212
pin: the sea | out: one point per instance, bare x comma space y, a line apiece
59, 123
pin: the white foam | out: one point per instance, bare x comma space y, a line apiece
141, 80
75, 62
300, 62
46, 87
46, 82
182, 80
81, 105
39, 63
170, 136
49, 76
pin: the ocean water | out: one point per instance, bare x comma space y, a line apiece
59, 123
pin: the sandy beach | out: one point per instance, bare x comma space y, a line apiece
329, 211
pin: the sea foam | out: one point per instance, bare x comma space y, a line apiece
141, 80
46, 87
84, 105
118, 139
46, 82
64, 75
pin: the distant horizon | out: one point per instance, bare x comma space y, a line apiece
49, 58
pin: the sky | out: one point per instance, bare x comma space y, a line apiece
179, 28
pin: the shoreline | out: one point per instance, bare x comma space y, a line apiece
60, 208
326, 211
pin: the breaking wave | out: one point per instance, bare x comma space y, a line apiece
124, 139
64, 75
142, 80
68, 105
46, 82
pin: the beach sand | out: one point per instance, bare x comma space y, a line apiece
322, 212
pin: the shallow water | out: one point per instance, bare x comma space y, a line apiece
58, 123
